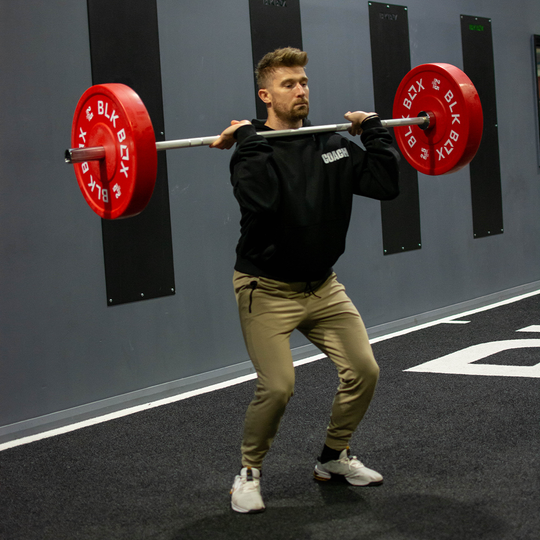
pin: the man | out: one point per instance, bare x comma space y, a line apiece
295, 195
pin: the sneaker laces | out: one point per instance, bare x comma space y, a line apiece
352, 462
250, 485
249, 482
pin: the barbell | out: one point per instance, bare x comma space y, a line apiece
114, 151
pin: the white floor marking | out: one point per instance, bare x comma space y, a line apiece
532, 328
461, 362
453, 317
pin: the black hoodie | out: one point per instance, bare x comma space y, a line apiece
295, 195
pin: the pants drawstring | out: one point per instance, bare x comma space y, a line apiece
311, 288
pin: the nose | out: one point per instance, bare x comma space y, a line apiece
300, 89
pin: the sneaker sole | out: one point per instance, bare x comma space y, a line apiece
244, 511
320, 476
325, 477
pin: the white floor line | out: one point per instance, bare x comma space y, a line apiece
532, 328
457, 316
239, 380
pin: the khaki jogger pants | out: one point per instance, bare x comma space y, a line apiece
269, 312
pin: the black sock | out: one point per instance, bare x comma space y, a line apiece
329, 454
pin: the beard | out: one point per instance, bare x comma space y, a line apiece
294, 113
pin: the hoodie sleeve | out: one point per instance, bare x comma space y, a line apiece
253, 172
377, 169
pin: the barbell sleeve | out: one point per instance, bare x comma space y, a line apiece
79, 155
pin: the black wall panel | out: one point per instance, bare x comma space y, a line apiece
124, 47
391, 61
485, 169
274, 24
536, 77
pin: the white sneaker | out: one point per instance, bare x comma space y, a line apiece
354, 471
246, 492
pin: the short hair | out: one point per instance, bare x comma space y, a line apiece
286, 57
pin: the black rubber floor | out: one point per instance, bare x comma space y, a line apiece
459, 454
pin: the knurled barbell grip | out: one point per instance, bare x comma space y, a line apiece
80, 155
422, 121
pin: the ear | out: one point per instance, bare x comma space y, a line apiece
265, 96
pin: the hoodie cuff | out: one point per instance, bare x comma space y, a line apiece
371, 122
244, 132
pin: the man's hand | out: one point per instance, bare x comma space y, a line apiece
226, 139
356, 118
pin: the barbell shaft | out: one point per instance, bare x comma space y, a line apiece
80, 155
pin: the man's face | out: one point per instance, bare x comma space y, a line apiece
288, 94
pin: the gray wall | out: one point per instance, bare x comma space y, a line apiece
65, 355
